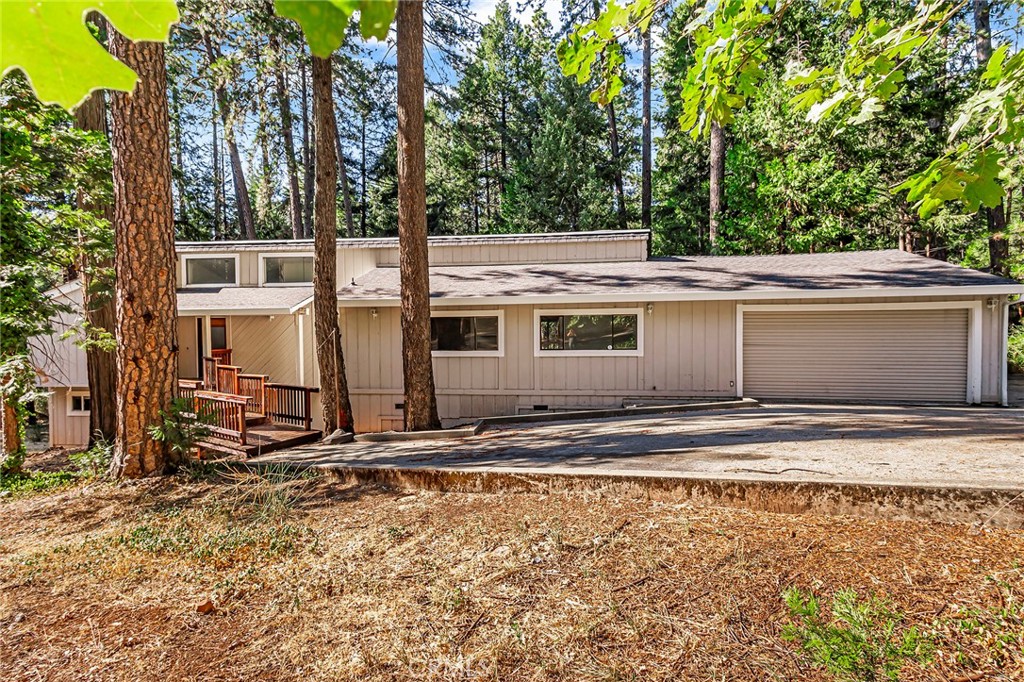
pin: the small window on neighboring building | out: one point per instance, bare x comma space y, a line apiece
211, 271
287, 269
465, 334
79, 403
583, 333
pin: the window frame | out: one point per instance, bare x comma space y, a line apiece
549, 312
186, 257
282, 254
500, 314
78, 393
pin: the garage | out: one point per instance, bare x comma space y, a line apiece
870, 352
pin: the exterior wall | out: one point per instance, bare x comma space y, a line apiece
575, 251
262, 344
59, 361
688, 351
66, 430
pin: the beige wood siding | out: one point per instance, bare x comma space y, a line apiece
689, 351
66, 430
590, 250
262, 344
874, 355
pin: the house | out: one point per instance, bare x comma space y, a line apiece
525, 323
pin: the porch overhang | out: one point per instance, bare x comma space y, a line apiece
243, 300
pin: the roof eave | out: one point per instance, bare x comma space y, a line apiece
707, 295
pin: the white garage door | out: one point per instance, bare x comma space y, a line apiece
870, 355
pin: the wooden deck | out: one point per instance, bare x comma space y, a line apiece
261, 438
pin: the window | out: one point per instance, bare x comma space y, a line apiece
589, 332
458, 333
211, 271
79, 403
287, 269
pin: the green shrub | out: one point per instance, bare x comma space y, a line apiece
180, 428
1015, 349
862, 641
35, 482
96, 460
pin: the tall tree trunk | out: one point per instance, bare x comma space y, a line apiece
717, 183
346, 196
285, 107
144, 259
362, 178
334, 398
218, 182
244, 206
11, 444
998, 246
98, 298
613, 144
308, 162
179, 153
417, 366
266, 192
645, 172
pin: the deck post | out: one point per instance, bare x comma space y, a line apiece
308, 409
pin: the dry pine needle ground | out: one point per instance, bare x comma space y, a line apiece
246, 576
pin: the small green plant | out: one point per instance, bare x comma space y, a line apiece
1015, 349
35, 482
180, 428
862, 641
95, 461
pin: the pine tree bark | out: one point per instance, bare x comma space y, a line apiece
417, 365
346, 196
98, 298
717, 183
243, 205
284, 105
362, 178
995, 217
308, 141
218, 181
645, 170
144, 259
613, 143
334, 398
11, 436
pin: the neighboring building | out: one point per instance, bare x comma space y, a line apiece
524, 323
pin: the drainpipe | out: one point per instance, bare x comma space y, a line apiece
1004, 348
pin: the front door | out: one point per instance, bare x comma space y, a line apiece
218, 341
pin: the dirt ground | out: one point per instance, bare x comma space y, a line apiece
207, 576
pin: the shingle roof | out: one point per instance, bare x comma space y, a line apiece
725, 275
248, 300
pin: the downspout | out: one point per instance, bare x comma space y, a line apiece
1004, 349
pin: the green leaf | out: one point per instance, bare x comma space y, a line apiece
984, 188
375, 18
855, 9
51, 44
322, 21
994, 68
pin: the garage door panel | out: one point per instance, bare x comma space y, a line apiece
877, 355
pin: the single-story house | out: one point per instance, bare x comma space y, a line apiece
525, 323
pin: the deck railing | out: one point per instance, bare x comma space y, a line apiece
221, 355
253, 386
187, 388
223, 413
227, 379
290, 404
210, 373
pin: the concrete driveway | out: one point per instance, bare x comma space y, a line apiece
950, 447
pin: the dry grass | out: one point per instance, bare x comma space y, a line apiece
312, 580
